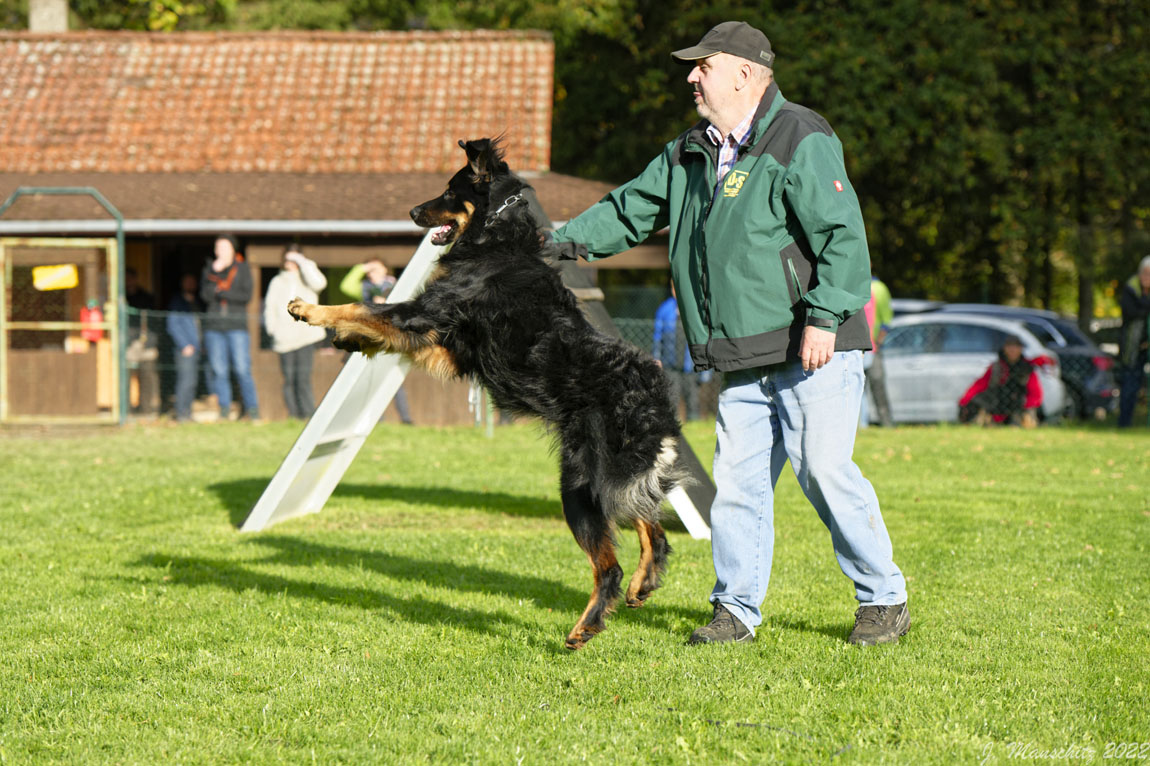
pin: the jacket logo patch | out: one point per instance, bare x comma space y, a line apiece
838, 186
733, 183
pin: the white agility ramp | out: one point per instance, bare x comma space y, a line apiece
350, 409
343, 420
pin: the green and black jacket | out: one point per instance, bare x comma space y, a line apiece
780, 246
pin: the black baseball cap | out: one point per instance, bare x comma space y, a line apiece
735, 37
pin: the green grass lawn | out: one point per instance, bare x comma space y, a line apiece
421, 616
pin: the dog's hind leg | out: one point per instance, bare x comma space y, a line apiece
653, 552
593, 533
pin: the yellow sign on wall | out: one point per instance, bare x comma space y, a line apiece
63, 277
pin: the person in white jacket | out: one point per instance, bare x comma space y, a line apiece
299, 277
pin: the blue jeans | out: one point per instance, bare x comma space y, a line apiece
229, 351
767, 415
1130, 380
296, 367
187, 378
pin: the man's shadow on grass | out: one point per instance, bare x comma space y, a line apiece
240, 496
786, 623
468, 578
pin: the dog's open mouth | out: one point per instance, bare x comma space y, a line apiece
444, 234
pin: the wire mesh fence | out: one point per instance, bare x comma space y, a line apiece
55, 368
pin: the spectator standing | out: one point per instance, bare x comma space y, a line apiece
299, 277
184, 330
879, 312
1134, 298
143, 344
226, 290
670, 349
370, 282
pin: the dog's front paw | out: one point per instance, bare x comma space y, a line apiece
298, 309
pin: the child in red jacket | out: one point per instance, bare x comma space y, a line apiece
1008, 392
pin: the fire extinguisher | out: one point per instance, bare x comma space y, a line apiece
91, 317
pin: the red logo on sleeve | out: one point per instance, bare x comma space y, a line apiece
838, 186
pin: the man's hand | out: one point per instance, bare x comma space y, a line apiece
816, 349
188, 350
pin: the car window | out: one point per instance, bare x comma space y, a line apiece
912, 339
1043, 334
970, 339
1072, 332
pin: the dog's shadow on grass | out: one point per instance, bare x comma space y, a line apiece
243, 576
240, 496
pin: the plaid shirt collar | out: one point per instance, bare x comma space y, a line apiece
729, 147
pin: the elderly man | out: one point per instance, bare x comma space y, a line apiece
1134, 298
769, 259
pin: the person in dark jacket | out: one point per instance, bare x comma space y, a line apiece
1008, 392
143, 344
769, 258
1134, 298
184, 330
226, 289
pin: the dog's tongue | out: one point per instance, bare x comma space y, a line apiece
443, 231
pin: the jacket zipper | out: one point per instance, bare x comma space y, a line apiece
798, 294
705, 279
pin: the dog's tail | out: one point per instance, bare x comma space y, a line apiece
640, 495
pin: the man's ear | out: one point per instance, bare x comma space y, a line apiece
747, 76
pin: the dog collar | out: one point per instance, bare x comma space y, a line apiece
514, 199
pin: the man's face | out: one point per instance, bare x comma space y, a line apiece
1012, 352
224, 250
375, 271
713, 80
1144, 278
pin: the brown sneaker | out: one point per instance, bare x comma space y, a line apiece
880, 624
724, 628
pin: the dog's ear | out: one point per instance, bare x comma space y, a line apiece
483, 157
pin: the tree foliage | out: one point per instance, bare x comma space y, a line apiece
998, 145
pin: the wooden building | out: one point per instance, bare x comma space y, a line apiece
324, 139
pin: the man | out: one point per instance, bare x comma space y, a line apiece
184, 330
1134, 298
769, 259
294, 341
226, 289
143, 347
670, 352
879, 315
371, 282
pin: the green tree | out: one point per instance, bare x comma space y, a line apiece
985, 137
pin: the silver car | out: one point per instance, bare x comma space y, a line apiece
931, 359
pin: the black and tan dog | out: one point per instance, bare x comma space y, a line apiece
497, 312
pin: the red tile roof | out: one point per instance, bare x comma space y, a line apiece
283, 197
293, 102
